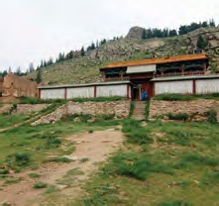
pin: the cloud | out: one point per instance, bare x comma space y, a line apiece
35, 30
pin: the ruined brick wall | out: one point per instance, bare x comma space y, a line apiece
29, 108
1, 84
15, 86
196, 108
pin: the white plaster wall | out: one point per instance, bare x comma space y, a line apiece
83, 92
112, 90
52, 93
177, 87
207, 86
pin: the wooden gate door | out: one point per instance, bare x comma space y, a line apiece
148, 88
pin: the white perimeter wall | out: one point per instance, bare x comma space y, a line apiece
112, 90
52, 94
207, 86
183, 87
83, 92
86, 92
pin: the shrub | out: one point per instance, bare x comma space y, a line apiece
212, 116
108, 117
140, 137
39, 185
84, 160
4, 171
34, 175
60, 160
17, 159
178, 116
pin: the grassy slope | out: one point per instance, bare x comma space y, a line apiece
86, 70
163, 164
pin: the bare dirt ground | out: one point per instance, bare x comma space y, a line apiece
96, 147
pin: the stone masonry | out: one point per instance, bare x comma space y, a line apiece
29, 108
119, 108
5, 108
196, 108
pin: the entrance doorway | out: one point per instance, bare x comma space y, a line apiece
137, 92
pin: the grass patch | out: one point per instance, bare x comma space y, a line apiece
59, 160
34, 175
12, 181
178, 116
132, 108
51, 189
40, 185
177, 156
84, 160
187, 97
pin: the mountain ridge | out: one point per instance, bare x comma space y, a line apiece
86, 69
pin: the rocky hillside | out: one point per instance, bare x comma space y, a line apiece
132, 47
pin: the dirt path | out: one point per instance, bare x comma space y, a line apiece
96, 147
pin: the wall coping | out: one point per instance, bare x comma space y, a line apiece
163, 79
85, 85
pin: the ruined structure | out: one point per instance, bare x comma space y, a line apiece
14, 86
1, 86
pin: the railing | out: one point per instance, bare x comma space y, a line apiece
116, 79
176, 74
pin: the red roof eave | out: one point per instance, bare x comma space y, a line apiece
173, 59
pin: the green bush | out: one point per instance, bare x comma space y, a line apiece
17, 160
212, 116
4, 171
59, 160
34, 175
178, 116
108, 117
39, 185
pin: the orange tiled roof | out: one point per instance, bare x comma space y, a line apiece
171, 59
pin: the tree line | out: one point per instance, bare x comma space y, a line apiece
183, 29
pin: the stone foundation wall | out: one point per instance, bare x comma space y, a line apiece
5, 108
119, 108
29, 108
196, 108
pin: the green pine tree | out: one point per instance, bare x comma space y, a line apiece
144, 34
201, 43
82, 52
39, 76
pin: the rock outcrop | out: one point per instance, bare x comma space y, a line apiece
135, 33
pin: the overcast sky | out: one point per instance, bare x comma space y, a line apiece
32, 30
